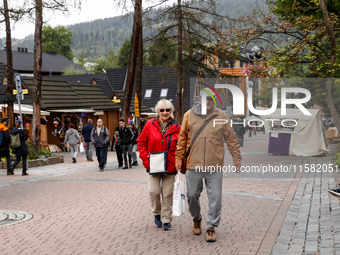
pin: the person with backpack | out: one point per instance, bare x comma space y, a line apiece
117, 143
134, 143
126, 135
20, 151
4, 144
100, 137
73, 139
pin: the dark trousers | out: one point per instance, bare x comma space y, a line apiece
101, 153
119, 155
24, 163
4, 152
127, 148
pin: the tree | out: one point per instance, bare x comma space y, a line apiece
124, 54
36, 127
105, 63
192, 27
58, 39
161, 51
81, 60
137, 26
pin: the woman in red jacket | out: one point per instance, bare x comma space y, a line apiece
157, 135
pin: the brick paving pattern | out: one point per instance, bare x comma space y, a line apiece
78, 210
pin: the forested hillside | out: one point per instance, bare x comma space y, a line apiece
95, 39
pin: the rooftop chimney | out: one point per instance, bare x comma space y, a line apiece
22, 49
19, 49
25, 49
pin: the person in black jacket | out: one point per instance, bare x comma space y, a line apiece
117, 142
4, 144
100, 137
134, 143
22, 150
126, 135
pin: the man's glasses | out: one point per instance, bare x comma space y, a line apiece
167, 110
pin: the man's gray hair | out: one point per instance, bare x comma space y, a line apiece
89, 121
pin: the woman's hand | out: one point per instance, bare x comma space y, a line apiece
179, 166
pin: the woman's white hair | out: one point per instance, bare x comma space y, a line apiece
168, 105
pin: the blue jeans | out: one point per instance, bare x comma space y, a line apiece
101, 153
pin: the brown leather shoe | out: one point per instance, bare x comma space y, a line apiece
210, 235
197, 226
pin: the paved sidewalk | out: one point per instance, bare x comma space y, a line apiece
78, 210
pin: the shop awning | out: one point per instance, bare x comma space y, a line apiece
25, 109
89, 110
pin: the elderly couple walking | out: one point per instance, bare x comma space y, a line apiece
163, 133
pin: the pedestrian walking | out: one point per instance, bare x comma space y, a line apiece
134, 143
4, 144
21, 151
239, 132
86, 137
206, 150
117, 143
100, 137
126, 135
250, 129
160, 134
72, 138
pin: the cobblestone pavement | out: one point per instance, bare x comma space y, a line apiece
78, 210
312, 222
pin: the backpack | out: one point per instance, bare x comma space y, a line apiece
15, 140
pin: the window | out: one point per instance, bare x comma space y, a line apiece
164, 92
222, 63
241, 64
148, 93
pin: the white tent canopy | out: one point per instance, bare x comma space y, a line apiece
25, 109
308, 138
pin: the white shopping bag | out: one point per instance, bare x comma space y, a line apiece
81, 147
178, 206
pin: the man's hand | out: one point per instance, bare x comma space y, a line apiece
178, 166
238, 168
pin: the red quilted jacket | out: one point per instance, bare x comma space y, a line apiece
151, 141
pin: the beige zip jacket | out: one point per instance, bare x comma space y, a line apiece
208, 149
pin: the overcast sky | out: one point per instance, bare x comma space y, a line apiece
90, 10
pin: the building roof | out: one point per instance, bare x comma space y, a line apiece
117, 77
94, 96
81, 78
23, 62
55, 94
4, 92
105, 85
120, 94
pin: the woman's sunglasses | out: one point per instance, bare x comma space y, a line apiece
162, 110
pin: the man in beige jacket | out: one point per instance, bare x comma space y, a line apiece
206, 160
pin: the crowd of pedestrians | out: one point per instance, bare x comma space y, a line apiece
168, 141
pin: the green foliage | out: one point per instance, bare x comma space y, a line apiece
105, 63
45, 152
162, 52
32, 153
70, 70
81, 60
124, 54
337, 156
58, 39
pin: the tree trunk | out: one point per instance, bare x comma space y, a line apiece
329, 74
140, 68
9, 68
132, 64
179, 63
36, 127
